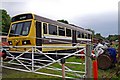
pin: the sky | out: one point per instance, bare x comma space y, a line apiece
98, 15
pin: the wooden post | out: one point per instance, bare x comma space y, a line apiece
88, 61
118, 62
63, 68
118, 59
1, 64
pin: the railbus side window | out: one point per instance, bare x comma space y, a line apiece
61, 31
68, 32
52, 29
89, 36
44, 28
82, 35
78, 34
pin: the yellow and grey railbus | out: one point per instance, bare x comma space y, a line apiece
33, 30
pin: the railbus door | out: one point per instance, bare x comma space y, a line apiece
74, 40
38, 34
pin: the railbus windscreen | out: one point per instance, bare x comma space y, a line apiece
20, 29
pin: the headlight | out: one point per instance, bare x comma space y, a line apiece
25, 42
10, 42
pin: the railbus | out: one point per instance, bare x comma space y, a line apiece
33, 30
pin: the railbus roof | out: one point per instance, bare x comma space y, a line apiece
54, 22
43, 19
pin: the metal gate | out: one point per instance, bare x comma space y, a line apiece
44, 63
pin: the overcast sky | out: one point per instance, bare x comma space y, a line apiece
99, 15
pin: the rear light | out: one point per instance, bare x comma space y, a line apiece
26, 42
10, 42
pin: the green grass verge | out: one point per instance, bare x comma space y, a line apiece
18, 74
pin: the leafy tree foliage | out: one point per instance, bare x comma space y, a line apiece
99, 36
5, 21
112, 37
63, 21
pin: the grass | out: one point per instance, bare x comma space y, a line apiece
109, 73
18, 74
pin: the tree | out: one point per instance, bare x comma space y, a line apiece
112, 37
98, 36
5, 21
93, 32
63, 21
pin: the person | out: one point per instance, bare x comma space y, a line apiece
102, 47
113, 53
99, 48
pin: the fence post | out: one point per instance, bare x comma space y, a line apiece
32, 59
63, 68
88, 61
1, 63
